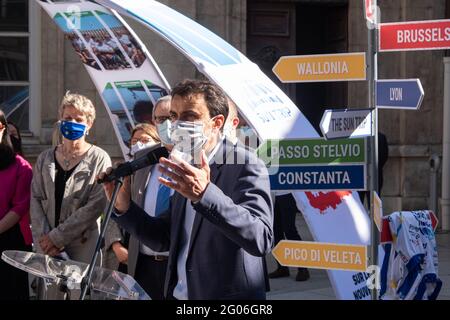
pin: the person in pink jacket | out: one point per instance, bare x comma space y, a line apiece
15, 188
16, 140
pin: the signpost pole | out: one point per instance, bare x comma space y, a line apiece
373, 165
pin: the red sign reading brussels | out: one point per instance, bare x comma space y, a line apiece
417, 35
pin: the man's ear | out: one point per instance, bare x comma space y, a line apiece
235, 122
218, 122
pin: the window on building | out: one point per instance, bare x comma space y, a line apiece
14, 61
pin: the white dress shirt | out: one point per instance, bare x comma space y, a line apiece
181, 291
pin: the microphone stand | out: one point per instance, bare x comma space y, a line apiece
87, 279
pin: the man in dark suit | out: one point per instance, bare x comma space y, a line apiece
219, 223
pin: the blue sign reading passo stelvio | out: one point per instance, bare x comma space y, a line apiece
399, 94
310, 178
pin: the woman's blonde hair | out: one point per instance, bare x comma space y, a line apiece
148, 129
79, 102
57, 138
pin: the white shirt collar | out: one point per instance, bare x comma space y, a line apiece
216, 148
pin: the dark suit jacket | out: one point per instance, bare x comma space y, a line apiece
232, 230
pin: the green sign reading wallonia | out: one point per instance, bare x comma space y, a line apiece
313, 151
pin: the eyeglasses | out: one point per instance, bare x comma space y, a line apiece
143, 140
161, 119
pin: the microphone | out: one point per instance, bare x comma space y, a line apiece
152, 157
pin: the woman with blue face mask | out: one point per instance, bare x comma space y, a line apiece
66, 201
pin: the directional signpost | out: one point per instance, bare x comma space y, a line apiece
321, 255
370, 10
372, 48
346, 123
316, 164
321, 68
415, 35
399, 94
298, 167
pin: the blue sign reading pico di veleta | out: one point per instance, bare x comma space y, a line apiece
399, 94
311, 178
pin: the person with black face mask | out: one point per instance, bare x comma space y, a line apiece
15, 178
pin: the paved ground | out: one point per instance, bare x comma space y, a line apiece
318, 286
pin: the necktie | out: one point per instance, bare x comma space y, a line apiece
162, 199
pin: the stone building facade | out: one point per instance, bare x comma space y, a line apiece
266, 30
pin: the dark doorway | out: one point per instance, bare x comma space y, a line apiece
278, 28
321, 29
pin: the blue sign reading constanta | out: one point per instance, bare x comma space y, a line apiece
309, 178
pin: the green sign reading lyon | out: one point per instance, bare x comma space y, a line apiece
313, 151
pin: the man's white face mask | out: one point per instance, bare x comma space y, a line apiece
188, 139
164, 131
138, 146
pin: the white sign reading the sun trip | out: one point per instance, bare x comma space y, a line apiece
346, 123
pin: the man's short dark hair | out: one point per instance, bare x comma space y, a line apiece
143, 111
215, 98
